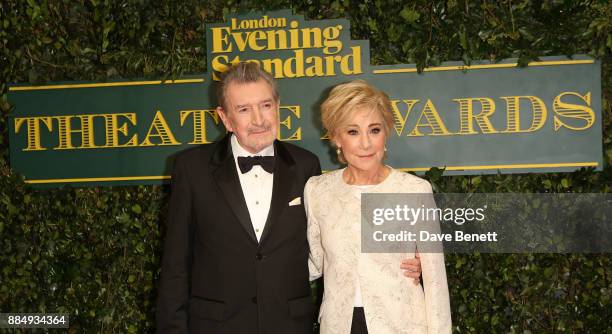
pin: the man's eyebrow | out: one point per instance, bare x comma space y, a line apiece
248, 105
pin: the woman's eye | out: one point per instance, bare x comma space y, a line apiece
352, 132
375, 130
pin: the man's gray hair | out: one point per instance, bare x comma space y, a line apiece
242, 73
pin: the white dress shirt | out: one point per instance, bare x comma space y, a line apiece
256, 186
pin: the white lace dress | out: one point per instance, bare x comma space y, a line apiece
392, 303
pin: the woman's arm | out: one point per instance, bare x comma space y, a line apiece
435, 285
315, 261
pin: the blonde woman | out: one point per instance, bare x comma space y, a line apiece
366, 293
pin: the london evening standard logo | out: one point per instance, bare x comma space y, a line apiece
285, 45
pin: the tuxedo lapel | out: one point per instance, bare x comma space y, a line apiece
284, 176
226, 177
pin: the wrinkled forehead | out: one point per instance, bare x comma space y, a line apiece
236, 88
249, 93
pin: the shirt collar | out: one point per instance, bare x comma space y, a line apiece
239, 151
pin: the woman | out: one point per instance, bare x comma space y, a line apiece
365, 292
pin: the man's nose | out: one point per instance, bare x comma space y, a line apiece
257, 116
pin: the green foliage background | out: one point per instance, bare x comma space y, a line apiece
95, 252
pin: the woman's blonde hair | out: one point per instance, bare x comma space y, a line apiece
338, 108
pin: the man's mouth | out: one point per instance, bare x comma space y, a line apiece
259, 132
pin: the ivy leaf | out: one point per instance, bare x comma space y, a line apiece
565, 182
463, 38
409, 15
136, 209
609, 154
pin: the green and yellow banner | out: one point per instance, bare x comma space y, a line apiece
470, 119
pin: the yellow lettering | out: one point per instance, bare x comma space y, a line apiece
234, 25
274, 66
467, 117
434, 122
400, 120
263, 22
241, 42
199, 123
315, 33
33, 130
256, 36
294, 35
277, 36
159, 128
65, 131
514, 114
296, 63
355, 57
573, 111
330, 66
219, 40
297, 135
220, 65
112, 129
316, 70
331, 41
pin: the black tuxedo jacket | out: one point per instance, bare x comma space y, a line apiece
216, 277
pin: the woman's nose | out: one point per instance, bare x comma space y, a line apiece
364, 141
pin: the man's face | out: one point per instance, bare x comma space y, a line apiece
251, 114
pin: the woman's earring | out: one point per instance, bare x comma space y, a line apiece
338, 150
385, 148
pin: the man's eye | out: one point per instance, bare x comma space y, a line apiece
244, 109
267, 105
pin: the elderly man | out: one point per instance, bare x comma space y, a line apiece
236, 252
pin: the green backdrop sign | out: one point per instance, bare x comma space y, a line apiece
481, 118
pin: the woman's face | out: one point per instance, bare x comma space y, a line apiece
362, 140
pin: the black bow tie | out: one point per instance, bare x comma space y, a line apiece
247, 163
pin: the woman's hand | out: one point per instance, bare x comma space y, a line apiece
412, 268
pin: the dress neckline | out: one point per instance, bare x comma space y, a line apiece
365, 187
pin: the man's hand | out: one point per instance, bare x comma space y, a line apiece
412, 268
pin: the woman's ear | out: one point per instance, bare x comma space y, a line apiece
333, 139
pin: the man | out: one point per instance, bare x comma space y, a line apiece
236, 254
